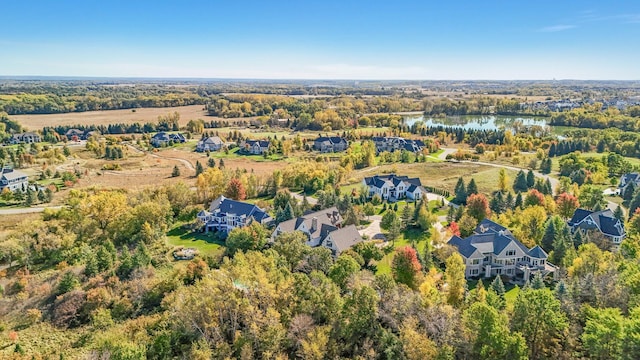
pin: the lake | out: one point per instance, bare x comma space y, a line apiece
480, 122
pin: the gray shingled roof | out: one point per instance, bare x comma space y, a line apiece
346, 238
9, 174
225, 205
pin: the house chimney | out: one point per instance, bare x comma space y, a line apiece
314, 224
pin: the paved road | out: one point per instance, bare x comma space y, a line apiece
373, 231
14, 211
312, 201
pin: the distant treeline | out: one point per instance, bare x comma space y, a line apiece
593, 117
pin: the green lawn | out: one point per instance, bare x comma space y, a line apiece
405, 239
510, 294
204, 243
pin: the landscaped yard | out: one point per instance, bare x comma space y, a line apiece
416, 235
511, 291
204, 243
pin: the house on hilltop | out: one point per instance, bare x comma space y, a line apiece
493, 250
603, 222
392, 187
330, 144
322, 228
225, 215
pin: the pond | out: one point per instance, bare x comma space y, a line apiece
480, 122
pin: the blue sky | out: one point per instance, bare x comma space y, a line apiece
323, 39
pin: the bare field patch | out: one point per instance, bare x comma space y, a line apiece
124, 116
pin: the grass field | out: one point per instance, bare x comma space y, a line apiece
204, 243
511, 291
442, 175
412, 235
124, 116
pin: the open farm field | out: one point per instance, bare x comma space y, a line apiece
125, 116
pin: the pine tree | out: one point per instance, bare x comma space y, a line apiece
141, 258
531, 179
175, 172
199, 168
538, 282
578, 239
104, 260
629, 191
472, 188
509, 201
518, 203
553, 150
30, 198
550, 234
498, 286
548, 189
406, 215
91, 266
460, 192
520, 183
221, 164
451, 214
618, 213
42, 197
211, 162
545, 166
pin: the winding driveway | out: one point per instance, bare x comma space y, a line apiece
30, 210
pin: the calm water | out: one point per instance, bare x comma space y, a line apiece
481, 122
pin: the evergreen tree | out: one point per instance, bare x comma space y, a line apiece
126, 264
406, 216
175, 172
497, 203
451, 214
211, 162
91, 266
538, 282
545, 166
199, 168
221, 164
548, 189
518, 203
104, 260
30, 198
498, 286
552, 150
42, 197
531, 179
618, 213
629, 191
578, 239
460, 192
509, 201
520, 183
550, 233
141, 258
472, 188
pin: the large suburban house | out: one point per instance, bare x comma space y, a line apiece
25, 138
322, 228
392, 187
212, 143
225, 215
627, 179
13, 180
256, 147
602, 221
392, 143
493, 250
163, 138
330, 144
77, 134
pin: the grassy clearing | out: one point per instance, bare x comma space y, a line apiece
204, 243
510, 295
417, 236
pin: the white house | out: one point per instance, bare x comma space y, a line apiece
330, 144
601, 221
492, 250
392, 187
225, 215
13, 180
212, 143
255, 147
393, 143
25, 138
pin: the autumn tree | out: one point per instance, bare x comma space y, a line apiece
567, 205
292, 247
454, 277
251, 237
235, 190
478, 207
487, 331
406, 267
503, 180
534, 198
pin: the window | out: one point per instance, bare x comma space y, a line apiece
487, 258
498, 271
511, 253
509, 271
541, 262
474, 272
510, 262
475, 261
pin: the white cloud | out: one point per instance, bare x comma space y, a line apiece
556, 28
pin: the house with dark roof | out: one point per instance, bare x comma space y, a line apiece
392, 187
13, 180
255, 147
212, 143
628, 179
601, 221
225, 215
25, 138
74, 134
330, 144
162, 139
492, 250
316, 225
394, 143
322, 228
